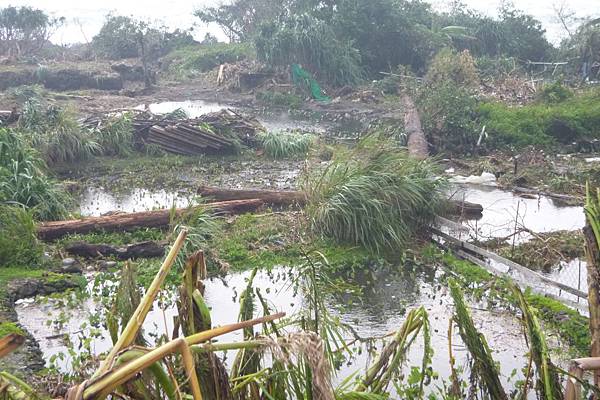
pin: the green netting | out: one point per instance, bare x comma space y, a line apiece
304, 78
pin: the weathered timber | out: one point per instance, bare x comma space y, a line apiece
417, 144
293, 197
272, 197
148, 249
129, 221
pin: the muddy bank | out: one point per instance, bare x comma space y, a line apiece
29, 357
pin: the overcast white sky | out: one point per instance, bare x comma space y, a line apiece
85, 17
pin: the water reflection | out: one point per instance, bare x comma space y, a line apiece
378, 308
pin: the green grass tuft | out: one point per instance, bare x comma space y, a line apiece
375, 196
280, 145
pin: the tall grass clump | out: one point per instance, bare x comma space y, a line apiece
56, 133
116, 135
18, 242
23, 180
280, 145
375, 196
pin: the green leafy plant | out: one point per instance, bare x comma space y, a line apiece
286, 145
18, 242
23, 179
116, 135
374, 195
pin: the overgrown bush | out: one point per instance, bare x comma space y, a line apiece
190, 60
449, 65
375, 196
18, 241
23, 180
122, 37
555, 93
543, 124
286, 145
448, 113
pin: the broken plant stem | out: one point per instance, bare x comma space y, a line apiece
137, 319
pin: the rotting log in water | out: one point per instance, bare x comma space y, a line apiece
128, 221
148, 249
294, 197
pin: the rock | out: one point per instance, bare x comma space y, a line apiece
71, 266
104, 265
67, 262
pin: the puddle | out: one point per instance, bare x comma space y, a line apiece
379, 310
194, 108
272, 121
96, 201
501, 208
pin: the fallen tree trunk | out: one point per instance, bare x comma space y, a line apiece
147, 249
129, 221
293, 197
416, 142
272, 197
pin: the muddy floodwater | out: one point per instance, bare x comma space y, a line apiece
376, 310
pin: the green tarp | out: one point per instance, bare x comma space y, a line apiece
301, 77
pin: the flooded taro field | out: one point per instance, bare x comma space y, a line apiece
371, 304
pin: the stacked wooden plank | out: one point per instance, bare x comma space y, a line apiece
187, 139
244, 127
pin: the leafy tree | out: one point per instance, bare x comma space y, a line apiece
126, 37
25, 30
583, 47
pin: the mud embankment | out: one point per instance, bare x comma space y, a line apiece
28, 358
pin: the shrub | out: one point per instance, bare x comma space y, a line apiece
375, 196
18, 241
448, 112
449, 65
555, 93
311, 42
286, 145
190, 60
23, 180
543, 124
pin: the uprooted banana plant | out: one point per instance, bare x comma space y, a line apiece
484, 370
124, 363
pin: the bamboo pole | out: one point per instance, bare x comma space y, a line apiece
137, 319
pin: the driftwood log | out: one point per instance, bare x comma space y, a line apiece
129, 221
292, 197
147, 249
